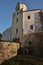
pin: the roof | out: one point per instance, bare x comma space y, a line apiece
33, 10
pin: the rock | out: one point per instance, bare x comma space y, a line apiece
8, 50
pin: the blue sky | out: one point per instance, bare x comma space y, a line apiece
7, 7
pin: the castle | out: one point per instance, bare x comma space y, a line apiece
27, 29
24, 23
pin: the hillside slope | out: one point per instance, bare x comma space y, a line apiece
24, 60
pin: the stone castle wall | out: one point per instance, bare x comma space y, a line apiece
8, 50
35, 41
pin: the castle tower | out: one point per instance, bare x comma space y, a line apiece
21, 6
17, 23
24, 23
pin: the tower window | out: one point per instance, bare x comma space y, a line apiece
16, 30
28, 17
17, 19
31, 27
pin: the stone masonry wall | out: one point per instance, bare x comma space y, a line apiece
8, 50
35, 41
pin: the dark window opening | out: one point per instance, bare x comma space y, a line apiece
29, 42
17, 20
31, 27
16, 30
28, 17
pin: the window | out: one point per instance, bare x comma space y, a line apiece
28, 17
17, 20
16, 30
29, 42
31, 27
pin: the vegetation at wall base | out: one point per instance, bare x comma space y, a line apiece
24, 60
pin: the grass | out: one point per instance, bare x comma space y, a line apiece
24, 60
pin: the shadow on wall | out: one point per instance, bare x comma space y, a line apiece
33, 44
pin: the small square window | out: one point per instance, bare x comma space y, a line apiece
31, 27
28, 17
16, 30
